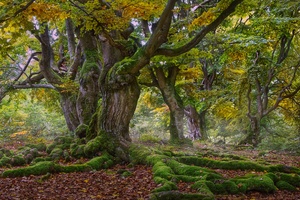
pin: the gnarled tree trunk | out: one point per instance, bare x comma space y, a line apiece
167, 87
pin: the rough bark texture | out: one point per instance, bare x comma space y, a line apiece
167, 87
68, 105
193, 120
89, 74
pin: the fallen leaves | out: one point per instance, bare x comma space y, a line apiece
85, 185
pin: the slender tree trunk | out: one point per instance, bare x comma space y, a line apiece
68, 105
167, 87
202, 123
255, 131
193, 120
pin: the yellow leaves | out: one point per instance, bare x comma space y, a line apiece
204, 19
18, 133
225, 109
161, 110
120, 13
238, 71
45, 11
139, 9
237, 56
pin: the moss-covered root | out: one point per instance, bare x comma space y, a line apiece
44, 167
176, 195
40, 168
256, 183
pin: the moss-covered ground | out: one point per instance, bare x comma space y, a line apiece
178, 172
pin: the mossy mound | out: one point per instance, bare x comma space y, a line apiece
56, 153
255, 183
217, 164
38, 146
4, 161
5, 152
77, 151
62, 142
282, 185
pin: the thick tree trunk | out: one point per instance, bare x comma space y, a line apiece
88, 78
119, 101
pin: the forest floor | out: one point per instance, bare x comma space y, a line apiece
111, 184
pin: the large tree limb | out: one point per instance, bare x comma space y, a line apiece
48, 86
185, 48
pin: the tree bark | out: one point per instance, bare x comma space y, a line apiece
68, 105
193, 120
88, 78
167, 87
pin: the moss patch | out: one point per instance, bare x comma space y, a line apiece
282, 185
40, 168
256, 183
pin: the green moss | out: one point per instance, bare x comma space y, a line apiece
63, 140
183, 169
164, 172
36, 160
293, 179
202, 188
4, 161
215, 164
102, 162
166, 185
6, 152
154, 158
138, 154
282, 185
92, 128
17, 161
76, 168
50, 147
39, 146
230, 187
126, 174
77, 151
272, 176
149, 138
216, 188
284, 168
81, 130
56, 153
101, 142
93, 147
258, 183
37, 169
185, 178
